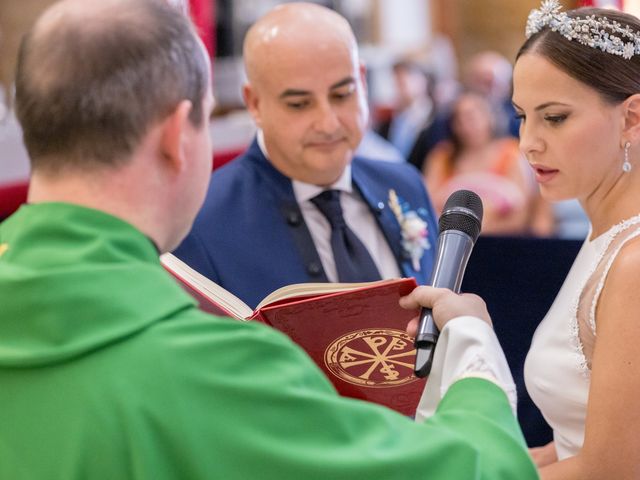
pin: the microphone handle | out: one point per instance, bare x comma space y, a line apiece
425, 343
454, 249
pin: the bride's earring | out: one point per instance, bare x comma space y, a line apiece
626, 166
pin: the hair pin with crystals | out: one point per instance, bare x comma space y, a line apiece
602, 33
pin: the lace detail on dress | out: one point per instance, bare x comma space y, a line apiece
583, 322
575, 340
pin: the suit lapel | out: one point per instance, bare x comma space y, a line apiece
291, 215
377, 198
376, 195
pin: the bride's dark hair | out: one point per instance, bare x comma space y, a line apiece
612, 76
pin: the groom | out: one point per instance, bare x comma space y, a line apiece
267, 221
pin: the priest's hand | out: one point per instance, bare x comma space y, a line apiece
445, 305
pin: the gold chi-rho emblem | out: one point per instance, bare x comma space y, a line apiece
372, 358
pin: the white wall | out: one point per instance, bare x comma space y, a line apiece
14, 162
404, 24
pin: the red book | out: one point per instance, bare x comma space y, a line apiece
355, 332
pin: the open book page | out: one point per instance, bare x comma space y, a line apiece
231, 304
297, 290
213, 292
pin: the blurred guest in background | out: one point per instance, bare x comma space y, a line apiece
376, 147
489, 73
569, 220
414, 126
476, 159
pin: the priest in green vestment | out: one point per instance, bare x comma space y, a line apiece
107, 368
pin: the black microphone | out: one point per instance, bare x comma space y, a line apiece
459, 227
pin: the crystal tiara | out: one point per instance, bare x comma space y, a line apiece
607, 35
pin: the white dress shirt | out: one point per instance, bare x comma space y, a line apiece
357, 215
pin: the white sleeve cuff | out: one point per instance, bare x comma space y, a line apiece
467, 347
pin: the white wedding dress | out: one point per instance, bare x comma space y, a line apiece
558, 365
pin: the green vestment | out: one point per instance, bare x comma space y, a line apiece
109, 371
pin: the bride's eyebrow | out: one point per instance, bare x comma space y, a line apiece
543, 105
551, 104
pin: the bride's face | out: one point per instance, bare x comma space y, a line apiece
570, 135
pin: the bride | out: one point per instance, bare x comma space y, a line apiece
577, 91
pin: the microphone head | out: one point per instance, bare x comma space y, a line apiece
462, 211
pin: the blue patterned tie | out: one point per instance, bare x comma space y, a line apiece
353, 262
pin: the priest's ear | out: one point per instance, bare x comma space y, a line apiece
173, 135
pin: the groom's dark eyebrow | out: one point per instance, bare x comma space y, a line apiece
294, 92
298, 92
343, 82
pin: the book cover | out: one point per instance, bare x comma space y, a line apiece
354, 332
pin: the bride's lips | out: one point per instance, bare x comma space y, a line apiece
544, 174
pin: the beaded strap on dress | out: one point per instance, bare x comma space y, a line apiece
583, 322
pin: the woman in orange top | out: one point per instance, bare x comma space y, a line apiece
473, 159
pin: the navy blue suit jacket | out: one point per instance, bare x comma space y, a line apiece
250, 236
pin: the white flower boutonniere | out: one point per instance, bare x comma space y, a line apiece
415, 236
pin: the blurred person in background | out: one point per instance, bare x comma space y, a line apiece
489, 74
415, 126
475, 158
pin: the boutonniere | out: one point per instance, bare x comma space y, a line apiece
415, 236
